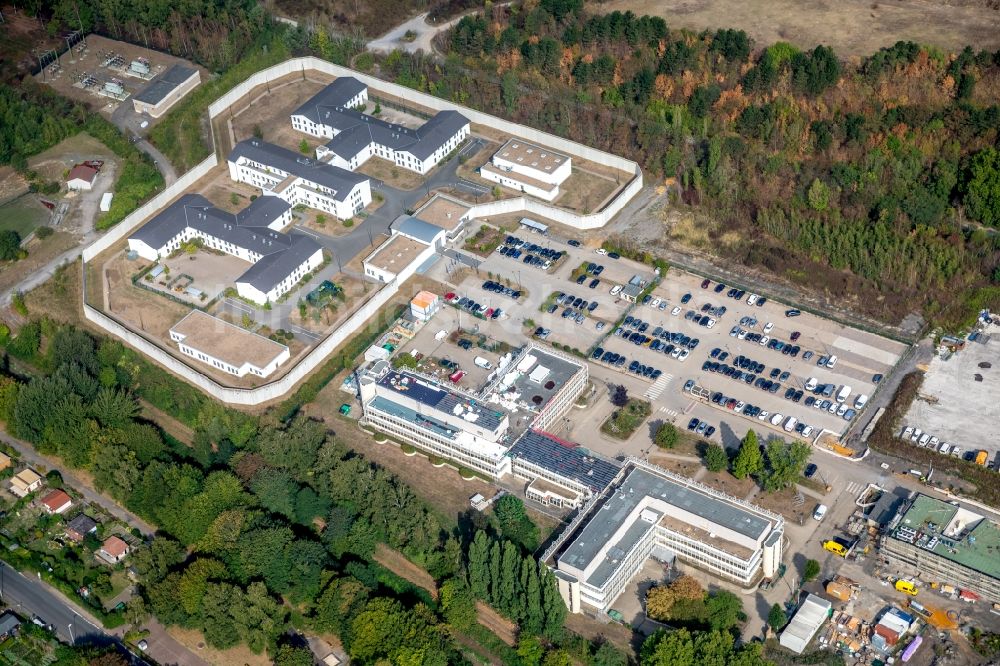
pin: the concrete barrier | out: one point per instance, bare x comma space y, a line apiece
281, 386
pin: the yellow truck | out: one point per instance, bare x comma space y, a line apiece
906, 587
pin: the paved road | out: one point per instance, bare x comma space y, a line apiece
425, 33
32, 457
31, 597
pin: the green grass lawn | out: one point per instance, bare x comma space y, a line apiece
23, 215
625, 421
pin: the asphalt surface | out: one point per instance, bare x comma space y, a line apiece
30, 597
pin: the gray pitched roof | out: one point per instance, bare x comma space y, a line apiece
8, 623
165, 84
82, 524
416, 228
341, 181
281, 253
356, 130
330, 98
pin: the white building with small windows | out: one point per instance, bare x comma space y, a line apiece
227, 347
649, 512
279, 260
299, 180
528, 168
335, 113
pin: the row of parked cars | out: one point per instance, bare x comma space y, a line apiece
734, 293
701, 427
788, 423
503, 290
472, 307
619, 360
529, 253
926, 440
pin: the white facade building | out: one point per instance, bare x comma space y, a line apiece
528, 168
279, 260
333, 113
299, 180
651, 512
227, 347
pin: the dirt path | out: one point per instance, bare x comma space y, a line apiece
174, 428
397, 563
504, 629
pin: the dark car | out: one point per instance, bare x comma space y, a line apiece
795, 336
593, 283
692, 424
573, 243
715, 353
553, 308
581, 279
792, 313
709, 431
685, 299
614, 255
705, 283
811, 470
723, 356
597, 352
761, 301
592, 307
876, 379
798, 395
719, 288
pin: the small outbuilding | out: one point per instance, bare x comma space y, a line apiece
25, 482
113, 550
81, 178
57, 502
807, 620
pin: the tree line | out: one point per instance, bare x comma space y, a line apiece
868, 178
266, 524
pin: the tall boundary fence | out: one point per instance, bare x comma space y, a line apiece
280, 387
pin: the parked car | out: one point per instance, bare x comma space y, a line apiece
792, 313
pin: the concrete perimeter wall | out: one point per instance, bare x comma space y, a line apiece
518, 204
315, 358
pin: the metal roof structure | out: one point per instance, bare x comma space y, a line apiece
280, 253
805, 623
165, 84
415, 228
341, 181
565, 459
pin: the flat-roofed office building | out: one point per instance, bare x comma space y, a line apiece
945, 543
438, 419
650, 512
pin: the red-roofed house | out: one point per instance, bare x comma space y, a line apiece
57, 502
81, 177
113, 550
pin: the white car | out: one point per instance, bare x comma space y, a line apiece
763, 415
808, 430
945, 448
924, 438
684, 354
819, 512
907, 431
832, 361
842, 410
742, 334
752, 298
676, 352
764, 340
811, 383
860, 401
767, 327
776, 418
739, 407
957, 451
615, 289
710, 323
601, 251
654, 303
916, 435
676, 311
834, 406
933, 444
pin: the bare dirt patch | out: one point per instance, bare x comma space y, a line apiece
504, 629
391, 174
172, 426
40, 252
585, 191
682, 467
397, 563
727, 483
784, 502
57, 298
194, 641
851, 27
136, 306
270, 113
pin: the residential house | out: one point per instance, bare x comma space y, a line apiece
113, 550
25, 482
57, 502
9, 624
5, 461
79, 527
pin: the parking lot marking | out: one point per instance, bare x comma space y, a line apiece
669, 412
853, 488
660, 385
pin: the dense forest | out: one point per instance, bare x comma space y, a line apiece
267, 524
879, 177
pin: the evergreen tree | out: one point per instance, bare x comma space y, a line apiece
749, 460
479, 571
493, 598
553, 607
507, 598
531, 616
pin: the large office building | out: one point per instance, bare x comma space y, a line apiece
559, 473
299, 180
946, 543
334, 113
650, 512
279, 260
529, 389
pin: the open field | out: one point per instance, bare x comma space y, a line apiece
23, 215
194, 641
585, 191
76, 65
851, 27
390, 174
271, 113
396, 562
40, 252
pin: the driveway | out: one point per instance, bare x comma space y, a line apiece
425, 33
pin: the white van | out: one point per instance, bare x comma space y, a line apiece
860, 401
483, 363
832, 361
843, 393
791, 423
819, 512
812, 383
776, 419
615, 289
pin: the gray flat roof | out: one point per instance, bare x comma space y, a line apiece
165, 84
560, 372
443, 399
640, 483
416, 228
341, 181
